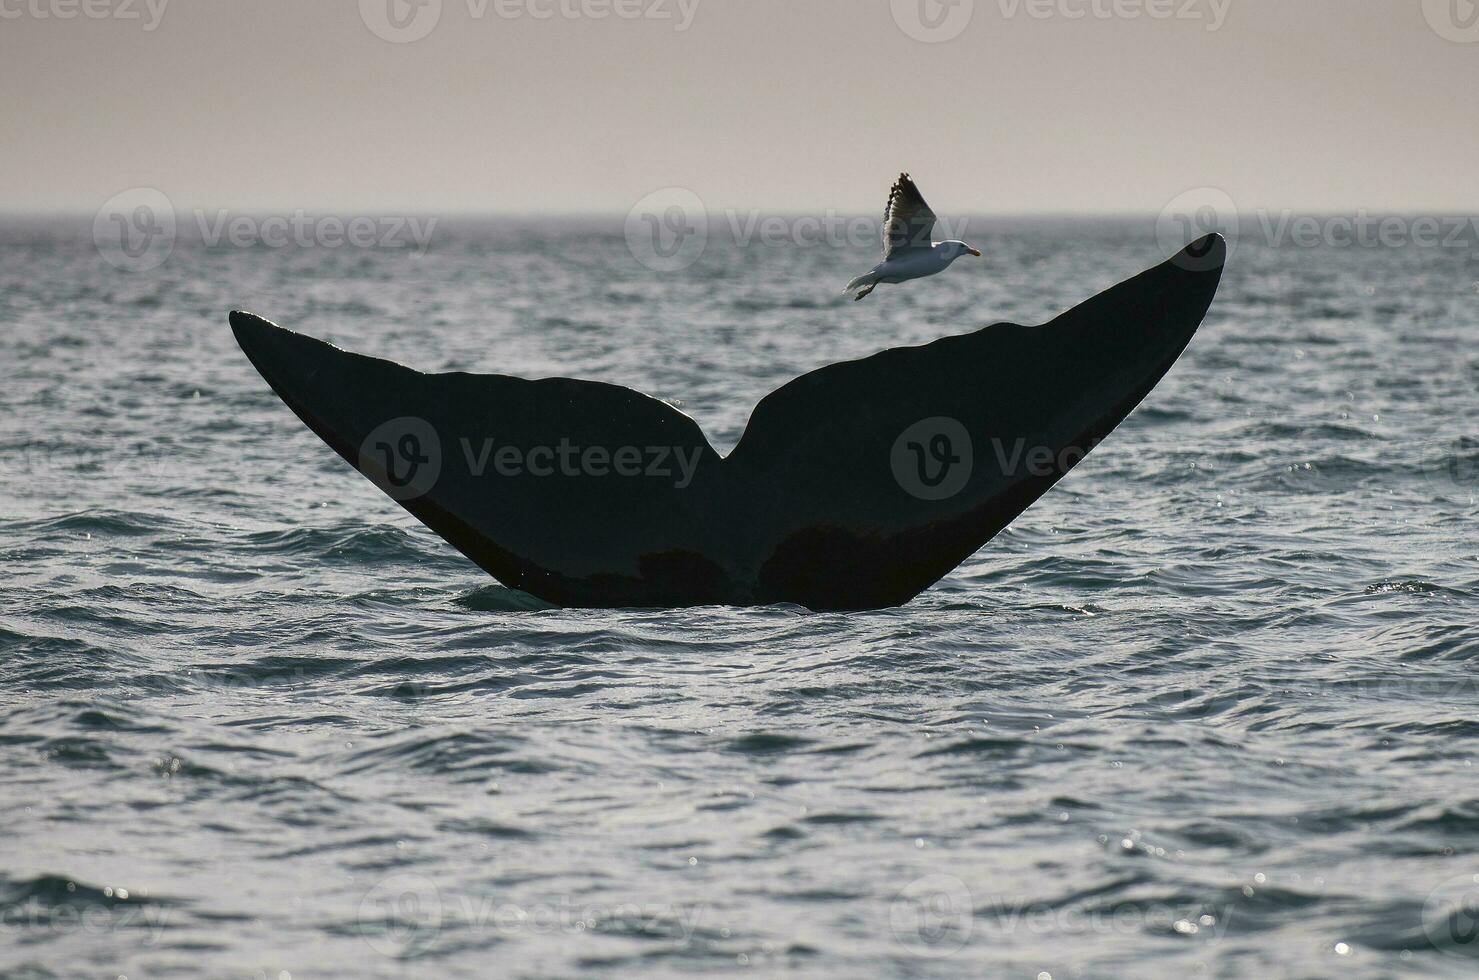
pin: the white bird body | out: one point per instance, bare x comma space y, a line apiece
913, 263
908, 253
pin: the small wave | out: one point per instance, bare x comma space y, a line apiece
103, 523
480, 827
1409, 588
1450, 822
475, 753
497, 598
44, 662
767, 743
993, 747
346, 307
58, 892
1301, 434
350, 543
743, 303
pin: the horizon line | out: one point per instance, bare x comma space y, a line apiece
536, 214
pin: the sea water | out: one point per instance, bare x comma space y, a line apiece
1209, 707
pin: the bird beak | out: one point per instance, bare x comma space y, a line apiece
976, 252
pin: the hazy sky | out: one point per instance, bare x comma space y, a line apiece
781, 105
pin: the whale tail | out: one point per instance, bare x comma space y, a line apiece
588, 494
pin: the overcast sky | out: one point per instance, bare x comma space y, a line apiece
782, 105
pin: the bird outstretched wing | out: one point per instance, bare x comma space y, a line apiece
908, 221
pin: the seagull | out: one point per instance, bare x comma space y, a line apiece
908, 252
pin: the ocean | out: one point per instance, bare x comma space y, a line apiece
1207, 709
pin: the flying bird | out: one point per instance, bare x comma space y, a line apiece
908, 249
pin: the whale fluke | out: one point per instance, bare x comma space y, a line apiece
856, 486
